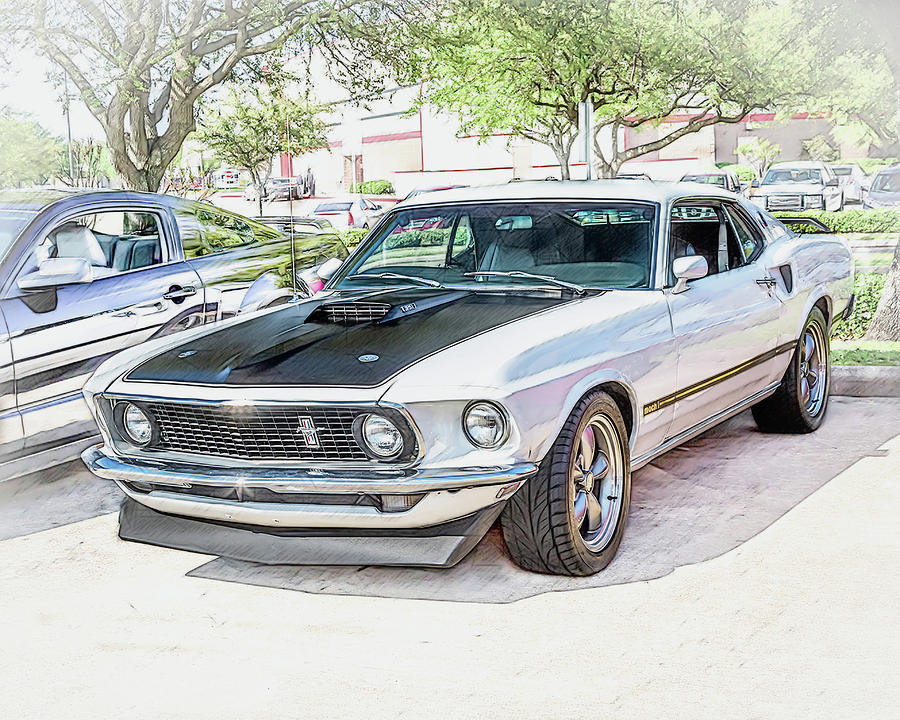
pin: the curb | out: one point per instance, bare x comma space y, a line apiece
865, 381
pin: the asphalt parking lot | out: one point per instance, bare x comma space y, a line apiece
758, 578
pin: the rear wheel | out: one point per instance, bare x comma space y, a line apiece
569, 518
799, 404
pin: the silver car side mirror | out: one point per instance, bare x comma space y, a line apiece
690, 267
328, 268
57, 271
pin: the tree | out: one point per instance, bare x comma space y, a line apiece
249, 129
27, 151
759, 155
141, 67
90, 164
524, 67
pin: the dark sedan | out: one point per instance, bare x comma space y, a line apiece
84, 275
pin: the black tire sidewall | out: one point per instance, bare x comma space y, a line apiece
593, 561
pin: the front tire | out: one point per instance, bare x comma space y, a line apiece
570, 517
799, 404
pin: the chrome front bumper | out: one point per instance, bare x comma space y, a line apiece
446, 495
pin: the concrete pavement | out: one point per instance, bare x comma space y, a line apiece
798, 617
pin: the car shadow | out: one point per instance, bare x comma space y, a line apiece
692, 504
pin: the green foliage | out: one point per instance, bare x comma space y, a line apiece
760, 154
90, 163
351, 237
881, 220
250, 128
819, 148
865, 352
523, 67
27, 151
373, 187
868, 288
745, 173
871, 165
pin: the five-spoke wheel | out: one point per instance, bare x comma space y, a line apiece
597, 475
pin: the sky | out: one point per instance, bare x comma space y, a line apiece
25, 88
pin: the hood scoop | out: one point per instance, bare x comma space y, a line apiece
349, 313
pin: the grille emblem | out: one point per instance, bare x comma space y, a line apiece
367, 358
307, 428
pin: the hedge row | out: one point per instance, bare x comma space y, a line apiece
352, 237
373, 187
882, 220
868, 288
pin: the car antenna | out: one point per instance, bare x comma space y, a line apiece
295, 297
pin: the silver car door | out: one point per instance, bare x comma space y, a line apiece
10, 421
725, 324
61, 333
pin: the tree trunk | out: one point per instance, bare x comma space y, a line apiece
562, 157
886, 323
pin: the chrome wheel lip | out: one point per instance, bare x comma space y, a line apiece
598, 478
812, 370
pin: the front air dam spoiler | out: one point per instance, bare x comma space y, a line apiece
437, 546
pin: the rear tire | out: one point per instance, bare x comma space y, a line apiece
569, 518
799, 404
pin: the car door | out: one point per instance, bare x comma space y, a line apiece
11, 432
725, 324
135, 286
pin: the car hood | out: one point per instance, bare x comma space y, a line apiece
339, 341
790, 189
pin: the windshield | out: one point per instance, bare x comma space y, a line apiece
12, 222
887, 183
594, 244
708, 179
795, 175
842, 171
334, 207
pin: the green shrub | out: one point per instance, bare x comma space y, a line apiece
868, 287
745, 173
871, 165
352, 237
882, 220
373, 187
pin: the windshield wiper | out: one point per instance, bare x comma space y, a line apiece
577, 289
396, 276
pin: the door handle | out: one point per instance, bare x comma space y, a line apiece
179, 293
768, 282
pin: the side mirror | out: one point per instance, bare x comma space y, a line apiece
57, 271
690, 267
755, 184
834, 182
328, 268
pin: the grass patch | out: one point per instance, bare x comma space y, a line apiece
865, 352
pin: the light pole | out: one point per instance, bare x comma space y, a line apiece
68, 124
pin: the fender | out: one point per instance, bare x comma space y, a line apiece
264, 292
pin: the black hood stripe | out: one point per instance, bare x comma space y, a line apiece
284, 349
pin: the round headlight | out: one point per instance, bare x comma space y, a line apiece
485, 424
381, 436
137, 424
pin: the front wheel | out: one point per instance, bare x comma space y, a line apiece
569, 518
799, 403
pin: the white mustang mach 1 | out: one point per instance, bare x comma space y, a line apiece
511, 352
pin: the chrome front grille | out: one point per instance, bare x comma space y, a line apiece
785, 202
349, 313
258, 432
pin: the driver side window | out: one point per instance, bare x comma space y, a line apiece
704, 229
111, 242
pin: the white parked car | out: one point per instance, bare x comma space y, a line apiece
513, 351
853, 180
799, 186
350, 211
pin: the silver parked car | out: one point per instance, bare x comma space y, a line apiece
86, 274
512, 352
725, 179
799, 186
885, 190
